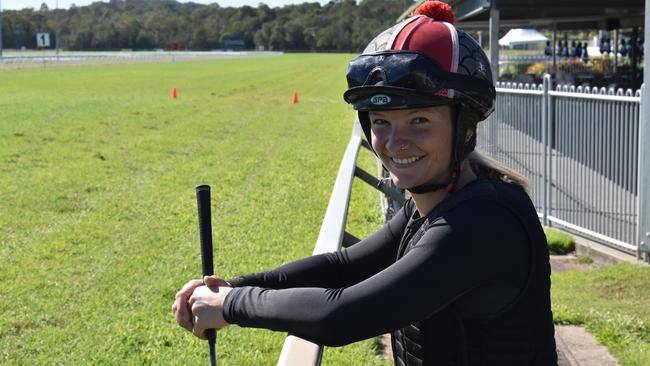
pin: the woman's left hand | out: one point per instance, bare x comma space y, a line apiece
199, 305
206, 303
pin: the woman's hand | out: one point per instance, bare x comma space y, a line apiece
199, 305
207, 308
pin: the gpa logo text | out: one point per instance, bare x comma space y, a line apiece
380, 99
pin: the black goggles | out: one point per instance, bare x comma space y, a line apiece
399, 79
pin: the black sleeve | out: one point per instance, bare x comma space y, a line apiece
336, 269
455, 256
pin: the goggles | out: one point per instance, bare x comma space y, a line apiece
399, 80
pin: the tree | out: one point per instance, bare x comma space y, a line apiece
146, 24
294, 35
276, 40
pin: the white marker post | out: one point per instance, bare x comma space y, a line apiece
56, 34
0, 28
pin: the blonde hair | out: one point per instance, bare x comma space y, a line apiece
489, 168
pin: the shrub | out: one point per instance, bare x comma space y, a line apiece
538, 68
559, 242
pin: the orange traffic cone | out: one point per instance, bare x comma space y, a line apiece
174, 94
295, 97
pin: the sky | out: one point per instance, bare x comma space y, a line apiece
36, 4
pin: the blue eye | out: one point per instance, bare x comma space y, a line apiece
419, 120
379, 122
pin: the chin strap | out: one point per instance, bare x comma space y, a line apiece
448, 187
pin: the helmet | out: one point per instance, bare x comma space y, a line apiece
425, 61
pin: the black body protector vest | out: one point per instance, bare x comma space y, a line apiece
522, 334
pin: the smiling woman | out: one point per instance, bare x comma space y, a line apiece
415, 141
459, 276
415, 145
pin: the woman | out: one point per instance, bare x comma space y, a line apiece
460, 276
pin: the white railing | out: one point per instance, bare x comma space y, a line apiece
332, 236
297, 351
49, 58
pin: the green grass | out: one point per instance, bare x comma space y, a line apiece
98, 224
559, 242
585, 260
614, 305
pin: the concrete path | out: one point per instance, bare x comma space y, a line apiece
576, 347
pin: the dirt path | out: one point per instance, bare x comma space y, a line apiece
562, 263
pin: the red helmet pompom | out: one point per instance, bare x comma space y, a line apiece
437, 10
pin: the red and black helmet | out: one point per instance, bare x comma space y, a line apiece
425, 61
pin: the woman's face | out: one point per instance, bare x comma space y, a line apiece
414, 144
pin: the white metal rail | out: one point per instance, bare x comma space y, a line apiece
297, 351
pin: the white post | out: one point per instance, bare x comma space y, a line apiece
0, 28
494, 40
644, 152
554, 41
56, 32
548, 153
615, 50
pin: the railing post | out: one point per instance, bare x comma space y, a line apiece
643, 225
299, 352
548, 153
494, 40
643, 197
492, 129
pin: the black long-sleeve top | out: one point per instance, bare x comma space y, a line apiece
470, 253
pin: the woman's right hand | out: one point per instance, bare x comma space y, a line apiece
181, 308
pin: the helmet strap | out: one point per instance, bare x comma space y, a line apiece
448, 187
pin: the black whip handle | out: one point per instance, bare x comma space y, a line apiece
205, 232
205, 228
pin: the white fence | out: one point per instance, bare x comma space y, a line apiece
332, 236
18, 59
297, 351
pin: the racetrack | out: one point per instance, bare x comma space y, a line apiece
98, 225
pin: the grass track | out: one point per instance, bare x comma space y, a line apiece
97, 208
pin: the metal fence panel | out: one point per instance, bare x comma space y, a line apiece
592, 162
513, 134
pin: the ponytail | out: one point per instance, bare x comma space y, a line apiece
489, 168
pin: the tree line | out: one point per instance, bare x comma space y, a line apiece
340, 25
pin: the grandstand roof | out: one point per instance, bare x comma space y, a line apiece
565, 14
